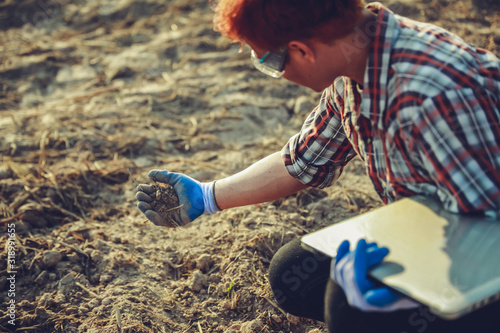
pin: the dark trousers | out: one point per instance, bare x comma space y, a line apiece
301, 286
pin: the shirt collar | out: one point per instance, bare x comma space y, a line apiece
375, 84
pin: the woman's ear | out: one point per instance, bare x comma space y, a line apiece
301, 51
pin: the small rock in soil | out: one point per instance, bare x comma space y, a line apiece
51, 258
204, 262
67, 284
107, 301
252, 326
197, 281
42, 278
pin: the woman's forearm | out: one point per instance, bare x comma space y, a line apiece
264, 181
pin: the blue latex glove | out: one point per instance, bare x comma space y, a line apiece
350, 271
196, 198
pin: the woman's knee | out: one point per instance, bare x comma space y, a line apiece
298, 280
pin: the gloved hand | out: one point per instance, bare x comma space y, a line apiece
350, 271
196, 198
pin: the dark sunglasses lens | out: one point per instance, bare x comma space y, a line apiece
275, 60
271, 63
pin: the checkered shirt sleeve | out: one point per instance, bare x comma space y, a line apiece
317, 154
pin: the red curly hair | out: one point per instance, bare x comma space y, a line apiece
271, 24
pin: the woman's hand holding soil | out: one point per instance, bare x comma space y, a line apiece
194, 199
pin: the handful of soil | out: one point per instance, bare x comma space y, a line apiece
166, 204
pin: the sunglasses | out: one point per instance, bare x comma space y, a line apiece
272, 63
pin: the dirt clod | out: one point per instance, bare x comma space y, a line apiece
166, 204
51, 258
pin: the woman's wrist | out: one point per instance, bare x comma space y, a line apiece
209, 202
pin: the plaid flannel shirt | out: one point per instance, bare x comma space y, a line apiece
426, 120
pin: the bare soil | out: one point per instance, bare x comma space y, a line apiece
94, 94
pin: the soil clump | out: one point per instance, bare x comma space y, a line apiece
166, 204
